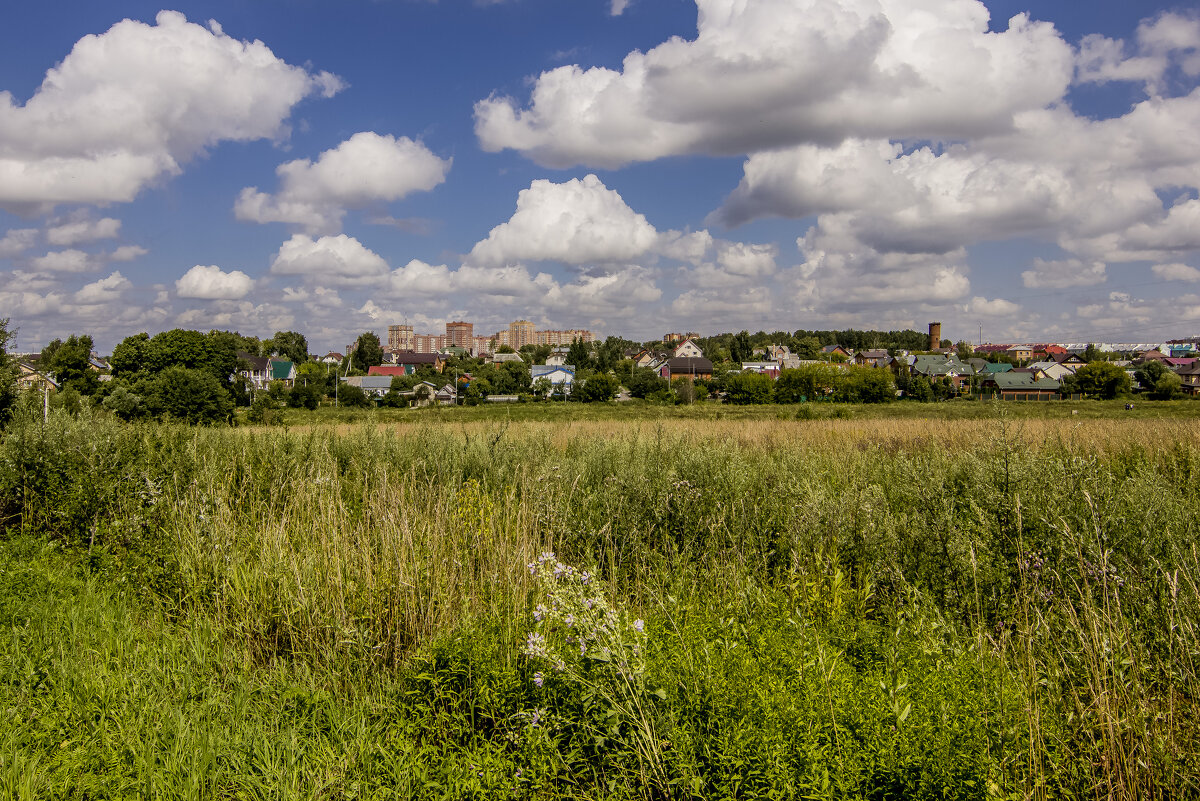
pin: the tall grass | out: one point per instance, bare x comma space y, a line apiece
866, 608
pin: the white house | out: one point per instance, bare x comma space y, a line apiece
687, 349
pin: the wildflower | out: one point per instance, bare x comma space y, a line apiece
569, 620
559, 666
639, 625
540, 612
535, 644
585, 577
539, 679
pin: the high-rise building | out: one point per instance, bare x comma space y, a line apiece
460, 335
521, 333
400, 338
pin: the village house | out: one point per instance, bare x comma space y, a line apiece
765, 368
687, 349
260, 371
690, 367
560, 376
1014, 385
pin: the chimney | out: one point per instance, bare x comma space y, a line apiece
935, 336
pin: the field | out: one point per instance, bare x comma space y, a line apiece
954, 601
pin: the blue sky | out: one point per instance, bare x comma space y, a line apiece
631, 167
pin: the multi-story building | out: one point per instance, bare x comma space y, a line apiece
675, 337
429, 343
481, 345
460, 335
564, 337
400, 338
521, 333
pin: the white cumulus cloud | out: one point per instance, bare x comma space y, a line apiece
337, 259
16, 241
129, 105
367, 168
213, 283
774, 73
1176, 272
83, 230
1060, 274
105, 290
576, 222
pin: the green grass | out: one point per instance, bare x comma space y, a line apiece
1001, 607
637, 411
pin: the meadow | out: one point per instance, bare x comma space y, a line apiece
956, 601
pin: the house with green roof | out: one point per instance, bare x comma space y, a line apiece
1012, 385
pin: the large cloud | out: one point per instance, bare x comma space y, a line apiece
576, 222
75, 231
17, 241
367, 168
213, 283
775, 73
329, 260
132, 104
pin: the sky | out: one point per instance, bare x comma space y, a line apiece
635, 167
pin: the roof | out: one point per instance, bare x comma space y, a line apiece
873, 354
539, 370
937, 365
1012, 380
832, 348
408, 357
387, 369
375, 382
258, 364
281, 369
993, 368
689, 364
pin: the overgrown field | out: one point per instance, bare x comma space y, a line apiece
454, 607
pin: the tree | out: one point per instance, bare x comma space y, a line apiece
741, 349
808, 348
748, 388
609, 353
578, 355
810, 382
598, 387
69, 363
1149, 373
304, 396
367, 351
684, 389
1103, 380
353, 397
288, 344
125, 404
867, 385
8, 373
543, 387
190, 396
643, 381
1169, 386
129, 357
512, 378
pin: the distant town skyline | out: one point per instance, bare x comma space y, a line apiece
620, 167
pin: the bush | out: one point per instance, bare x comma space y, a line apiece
189, 396
598, 388
748, 388
304, 396
353, 397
